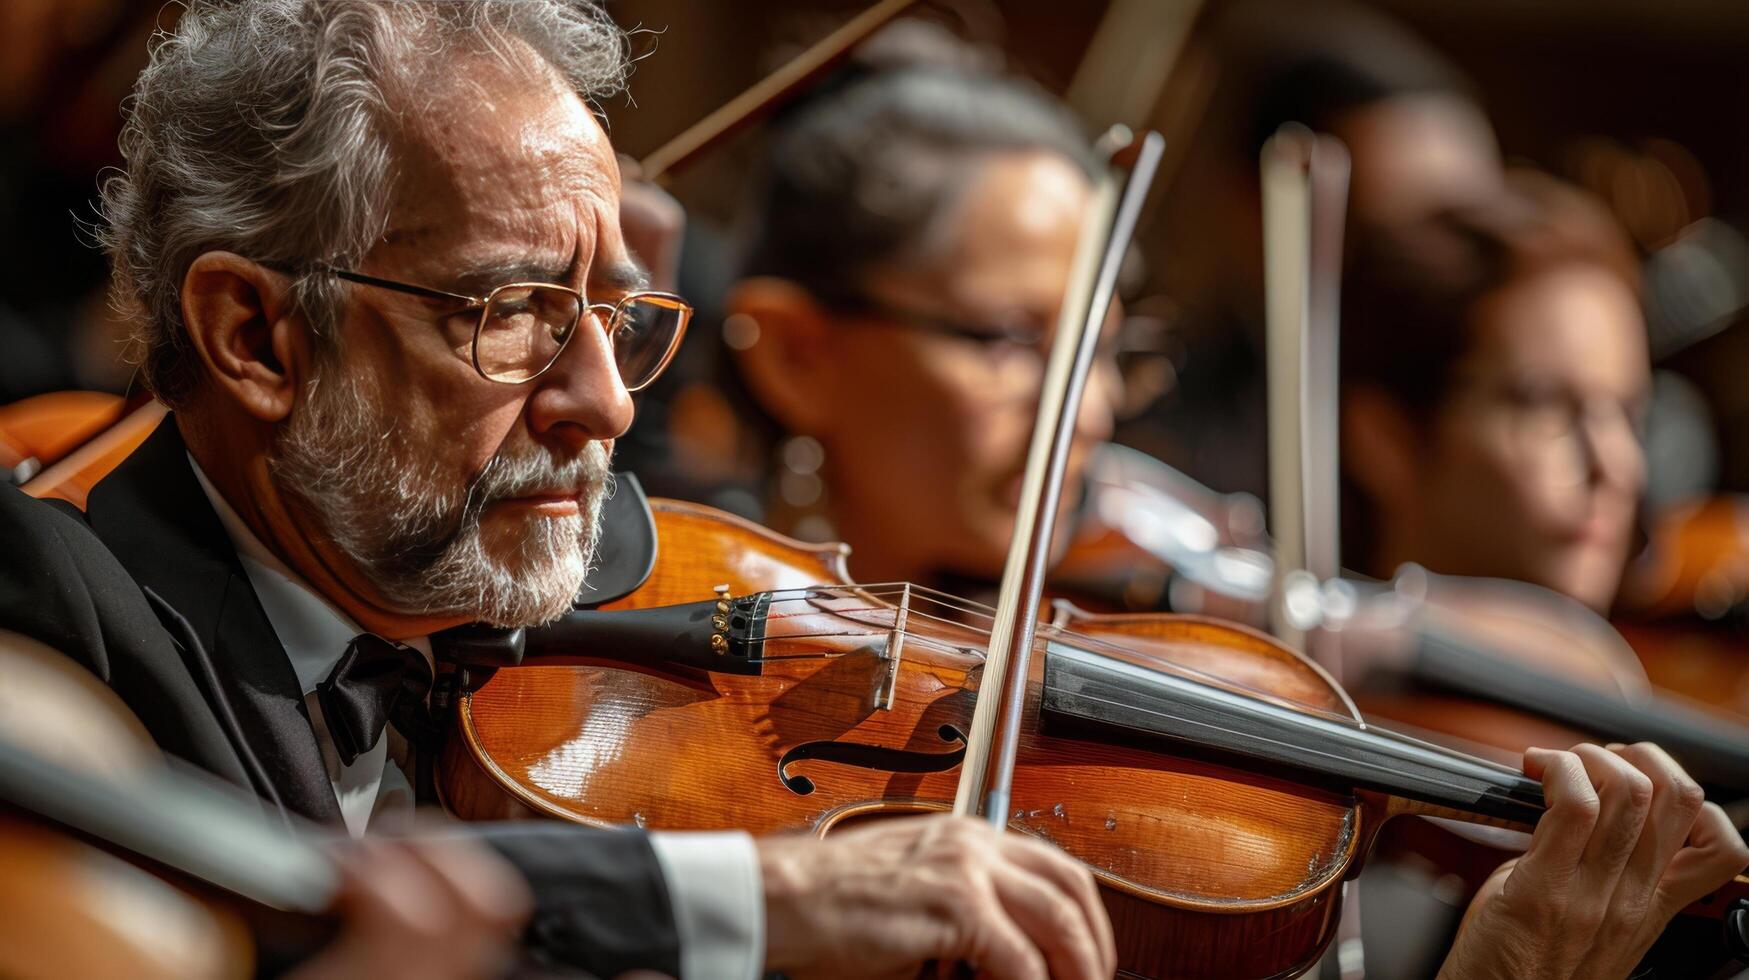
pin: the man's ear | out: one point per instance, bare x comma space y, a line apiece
784, 350
1380, 447
239, 318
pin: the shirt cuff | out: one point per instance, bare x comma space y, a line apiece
719, 903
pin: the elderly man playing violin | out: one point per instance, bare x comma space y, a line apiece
381, 279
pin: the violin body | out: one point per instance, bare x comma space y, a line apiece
1206, 871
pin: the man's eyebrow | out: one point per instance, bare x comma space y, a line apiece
477, 280
620, 277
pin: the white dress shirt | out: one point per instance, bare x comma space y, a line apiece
713, 878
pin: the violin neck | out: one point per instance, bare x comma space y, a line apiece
1140, 705
1714, 750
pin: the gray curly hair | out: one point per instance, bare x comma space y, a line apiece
261, 127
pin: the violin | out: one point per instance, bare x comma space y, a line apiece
1219, 785
1512, 666
118, 865
37, 431
61, 444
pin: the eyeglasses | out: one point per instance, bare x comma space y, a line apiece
1545, 413
525, 326
1133, 345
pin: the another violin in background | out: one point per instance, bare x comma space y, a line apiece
1148, 538
1683, 601
1511, 666
37, 431
113, 863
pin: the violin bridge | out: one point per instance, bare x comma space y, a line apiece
895, 651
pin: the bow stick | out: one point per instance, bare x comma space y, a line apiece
769, 92
994, 741
1305, 189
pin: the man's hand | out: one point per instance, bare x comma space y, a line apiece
883, 899
1627, 842
442, 908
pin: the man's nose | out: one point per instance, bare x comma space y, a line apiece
581, 398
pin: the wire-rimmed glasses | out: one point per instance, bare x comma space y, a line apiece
525, 326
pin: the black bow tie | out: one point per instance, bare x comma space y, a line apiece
377, 682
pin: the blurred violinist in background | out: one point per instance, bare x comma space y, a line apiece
910, 250
1419, 144
1494, 378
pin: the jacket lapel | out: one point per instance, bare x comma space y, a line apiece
152, 514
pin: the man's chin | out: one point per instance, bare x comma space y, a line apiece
529, 593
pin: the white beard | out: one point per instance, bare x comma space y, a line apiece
420, 544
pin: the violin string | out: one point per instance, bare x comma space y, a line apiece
919, 596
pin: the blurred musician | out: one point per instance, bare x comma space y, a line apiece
1494, 371
1494, 377
910, 252
1419, 144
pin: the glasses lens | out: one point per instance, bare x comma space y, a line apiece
523, 330
645, 334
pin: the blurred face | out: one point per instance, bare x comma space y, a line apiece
924, 455
450, 493
1533, 467
1417, 154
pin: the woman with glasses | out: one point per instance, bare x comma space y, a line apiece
909, 251
1494, 376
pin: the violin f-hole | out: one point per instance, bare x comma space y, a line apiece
870, 757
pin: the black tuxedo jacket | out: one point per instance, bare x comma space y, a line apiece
148, 593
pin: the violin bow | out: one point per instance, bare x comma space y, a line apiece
1137, 48
769, 92
993, 744
1304, 179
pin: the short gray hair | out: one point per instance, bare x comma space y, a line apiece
261, 127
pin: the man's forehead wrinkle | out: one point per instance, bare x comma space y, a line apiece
503, 178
